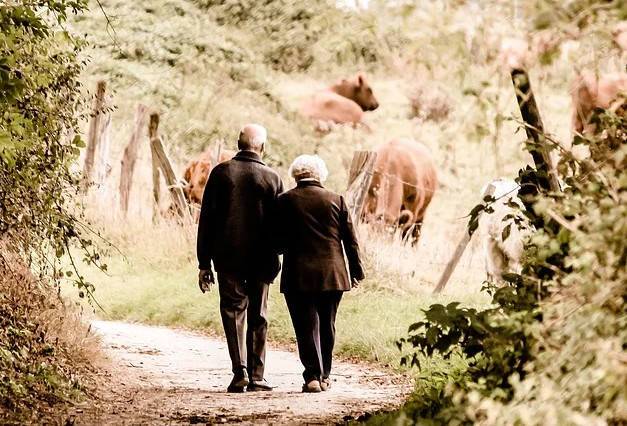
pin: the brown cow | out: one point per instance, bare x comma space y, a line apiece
197, 173
592, 91
343, 102
402, 186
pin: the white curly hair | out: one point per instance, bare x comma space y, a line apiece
309, 167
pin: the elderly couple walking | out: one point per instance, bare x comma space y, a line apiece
246, 221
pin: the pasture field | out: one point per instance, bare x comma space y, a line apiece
207, 76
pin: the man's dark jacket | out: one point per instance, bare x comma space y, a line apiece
235, 228
312, 225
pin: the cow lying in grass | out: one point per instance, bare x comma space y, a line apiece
342, 103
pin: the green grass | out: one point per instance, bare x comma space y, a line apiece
369, 321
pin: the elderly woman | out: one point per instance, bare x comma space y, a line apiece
313, 225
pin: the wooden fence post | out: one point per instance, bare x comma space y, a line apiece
102, 167
359, 178
153, 126
130, 157
459, 250
534, 129
161, 162
95, 132
218, 152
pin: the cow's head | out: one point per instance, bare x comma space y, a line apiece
196, 176
358, 90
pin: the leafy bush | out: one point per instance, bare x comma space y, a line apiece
39, 100
39, 97
296, 35
43, 350
552, 342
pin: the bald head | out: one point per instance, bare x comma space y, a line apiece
252, 137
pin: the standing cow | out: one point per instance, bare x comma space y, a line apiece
403, 184
197, 172
342, 103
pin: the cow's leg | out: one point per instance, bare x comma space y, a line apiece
405, 223
389, 203
363, 125
416, 230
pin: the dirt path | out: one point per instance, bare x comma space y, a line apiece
166, 376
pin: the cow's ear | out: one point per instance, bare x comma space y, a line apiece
360, 79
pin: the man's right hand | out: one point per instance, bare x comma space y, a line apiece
205, 280
354, 283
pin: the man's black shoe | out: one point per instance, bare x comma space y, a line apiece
259, 386
239, 383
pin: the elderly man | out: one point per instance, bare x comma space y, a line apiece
234, 233
314, 229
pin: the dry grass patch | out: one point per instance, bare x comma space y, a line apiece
45, 350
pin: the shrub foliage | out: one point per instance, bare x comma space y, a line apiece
39, 100
42, 348
299, 34
551, 343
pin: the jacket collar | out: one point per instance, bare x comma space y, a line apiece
248, 156
304, 183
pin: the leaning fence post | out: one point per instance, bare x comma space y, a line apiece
162, 162
459, 250
130, 157
359, 178
534, 129
95, 133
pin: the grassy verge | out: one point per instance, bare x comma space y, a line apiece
155, 283
46, 353
368, 323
